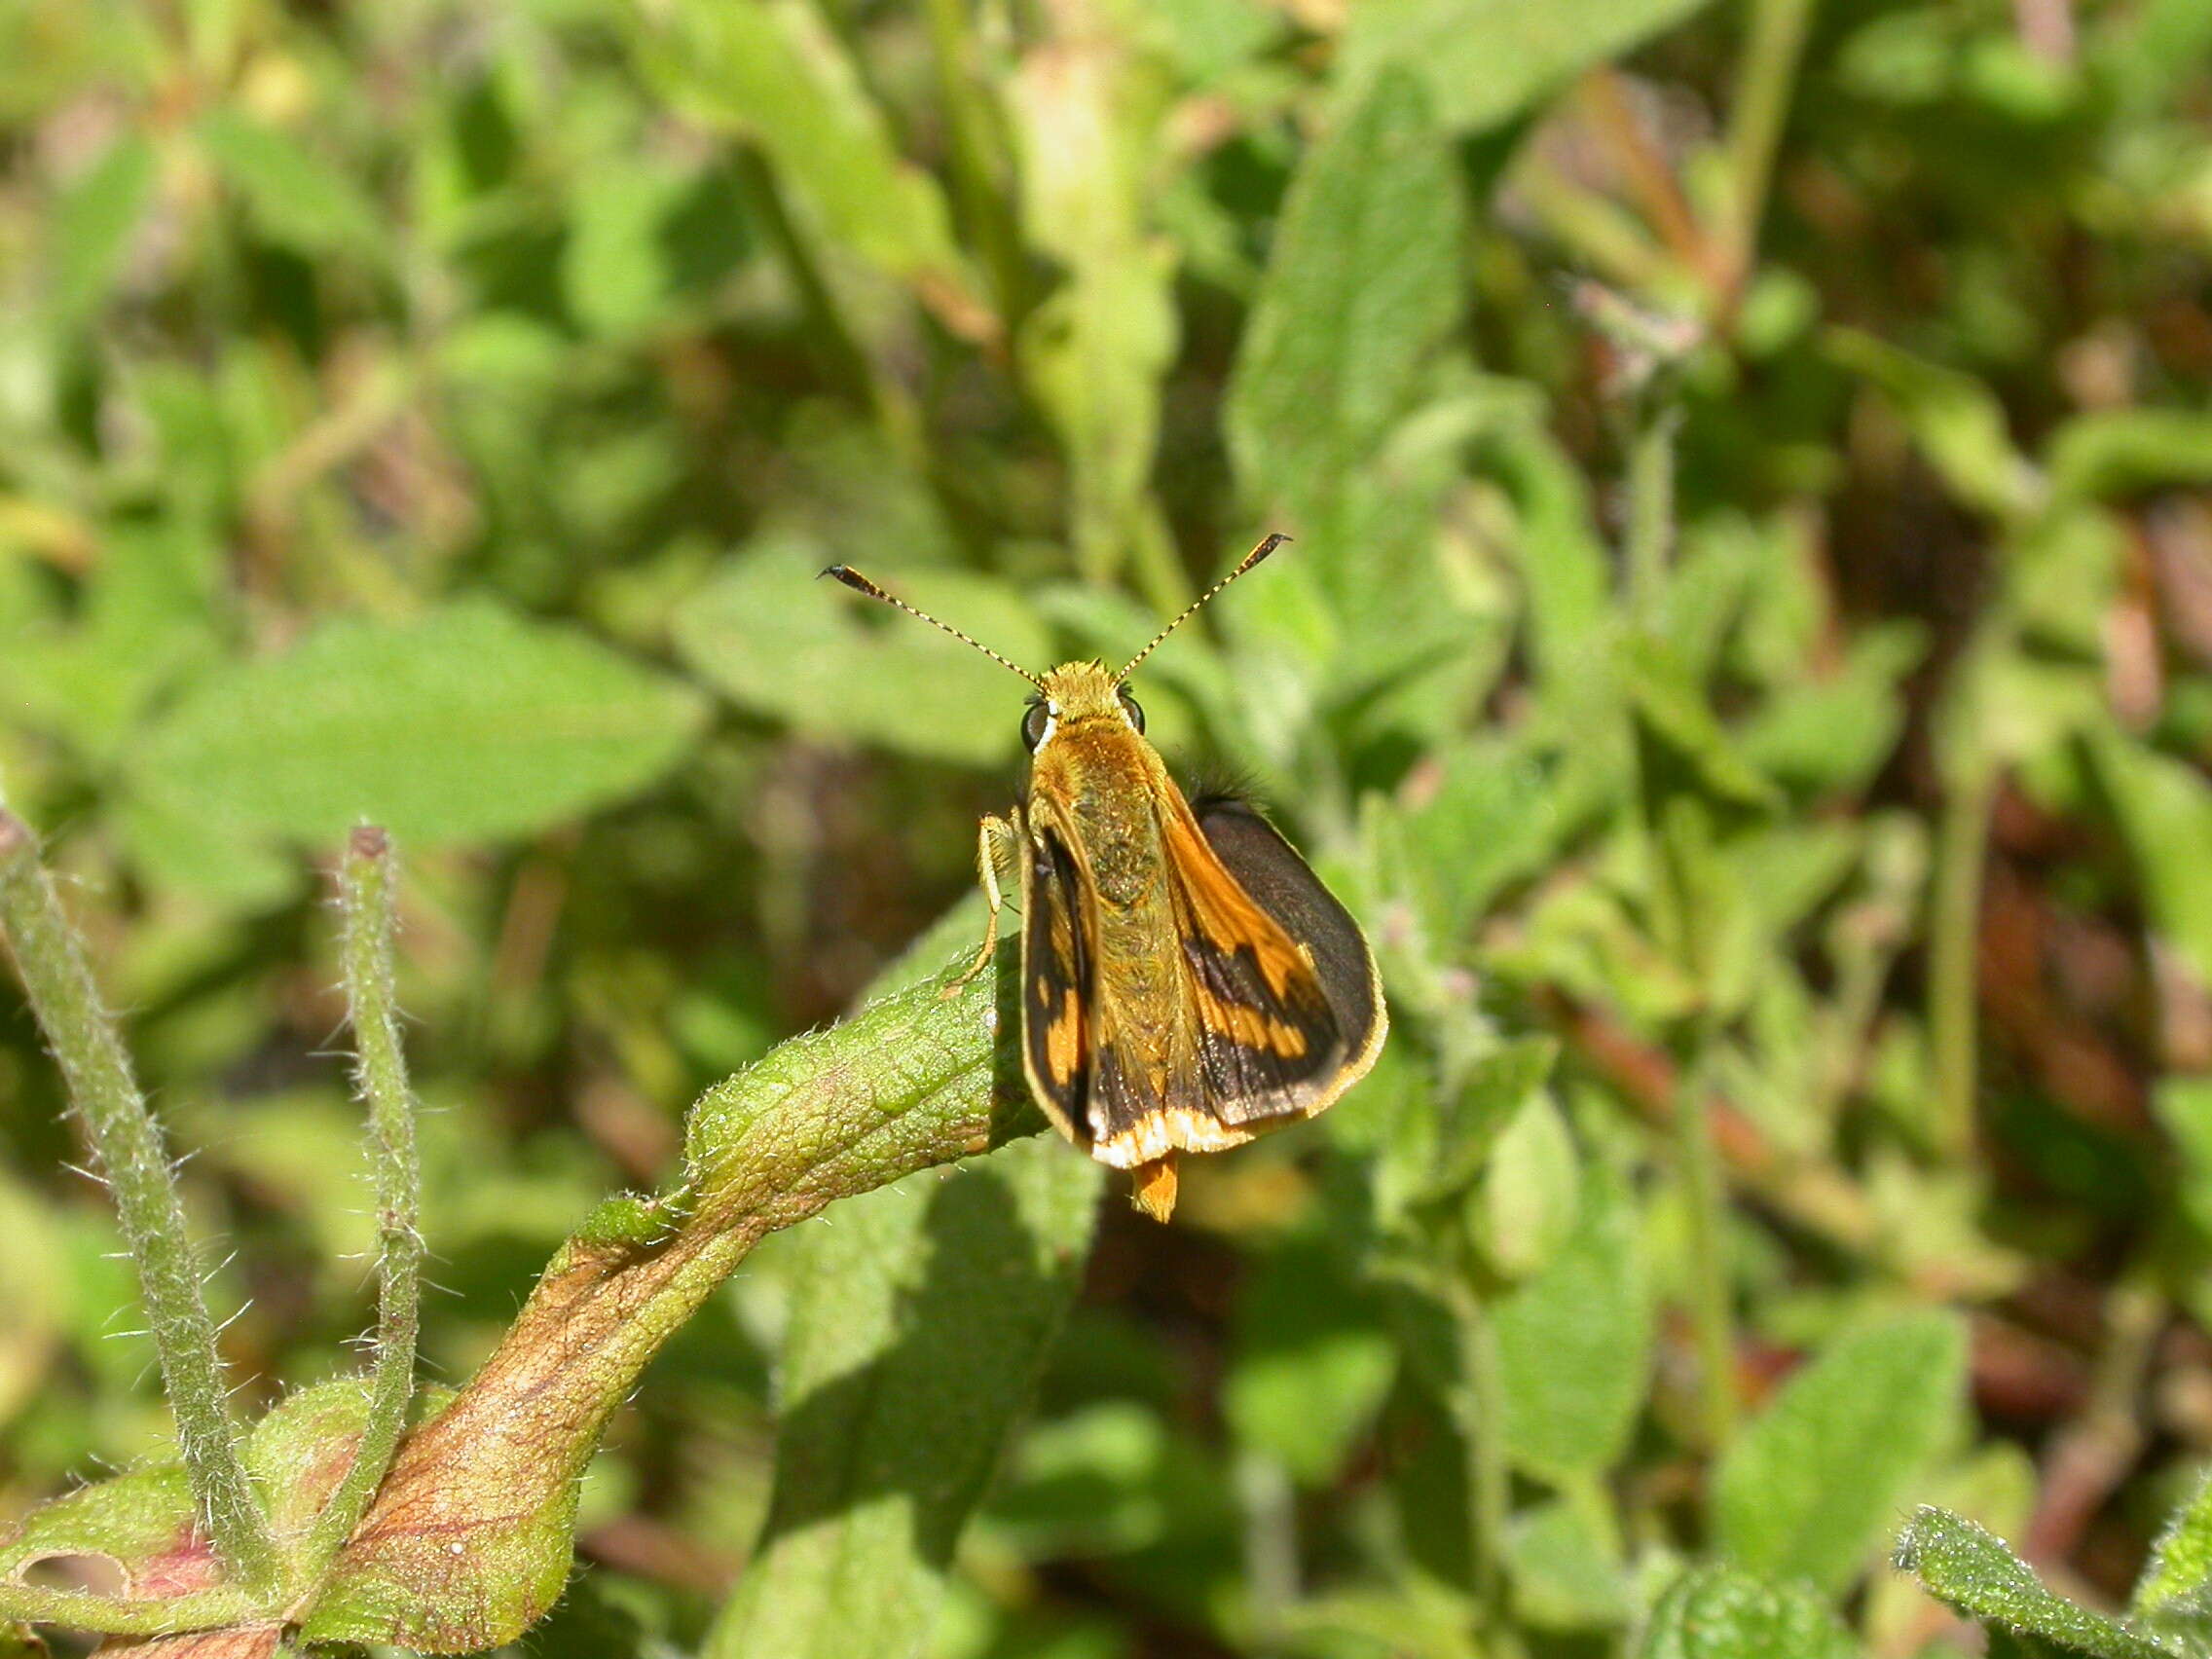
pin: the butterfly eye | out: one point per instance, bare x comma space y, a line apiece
1135, 714
1033, 725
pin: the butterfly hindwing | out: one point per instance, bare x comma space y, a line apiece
1057, 981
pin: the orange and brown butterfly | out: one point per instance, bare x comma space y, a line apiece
1187, 983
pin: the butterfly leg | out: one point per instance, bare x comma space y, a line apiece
993, 839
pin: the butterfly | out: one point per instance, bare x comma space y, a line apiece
1187, 982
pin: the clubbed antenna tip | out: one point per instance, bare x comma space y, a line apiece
858, 583
1267, 544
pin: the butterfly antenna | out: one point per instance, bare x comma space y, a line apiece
858, 583
1267, 547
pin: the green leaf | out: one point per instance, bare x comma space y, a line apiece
2165, 810
1488, 822
464, 723
2183, 1106
1975, 1571
926, 1312
1574, 1344
769, 637
1486, 60
2175, 1592
1532, 1192
1361, 285
1957, 421
468, 1540
774, 71
1718, 1612
1463, 1130
295, 199
615, 265
94, 225
1681, 723
1807, 1488
2123, 452
1565, 1563
1835, 732
1312, 1363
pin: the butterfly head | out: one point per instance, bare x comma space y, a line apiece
1074, 695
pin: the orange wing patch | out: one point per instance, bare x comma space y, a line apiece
1063, 1040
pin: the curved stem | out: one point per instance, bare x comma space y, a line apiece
380, 1073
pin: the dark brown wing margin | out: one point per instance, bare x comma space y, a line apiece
1279, 881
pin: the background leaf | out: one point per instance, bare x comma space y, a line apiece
465, 724
1574, 1343
1486, 60
839, 664
928, 1309
1809, 1487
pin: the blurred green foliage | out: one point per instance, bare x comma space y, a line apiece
1747, 656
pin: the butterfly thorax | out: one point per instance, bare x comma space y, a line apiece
1095, 768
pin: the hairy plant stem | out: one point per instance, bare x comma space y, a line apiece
365, 883
126, 1142
111, 1615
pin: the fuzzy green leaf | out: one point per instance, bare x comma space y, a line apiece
2121, 452
1721, 1614
2175, 1591
468, 1540
1362, 283
2164, 811
94, 226
1574, 1344
1956, 419
296, 199
1312, 1363
1975, 1571
464, 723
1806, 1490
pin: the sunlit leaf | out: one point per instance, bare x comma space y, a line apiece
1975, 1572
1807, 1488
465, 724
1485, 60
835, 664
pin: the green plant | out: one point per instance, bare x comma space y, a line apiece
321, 1522
1746, 656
